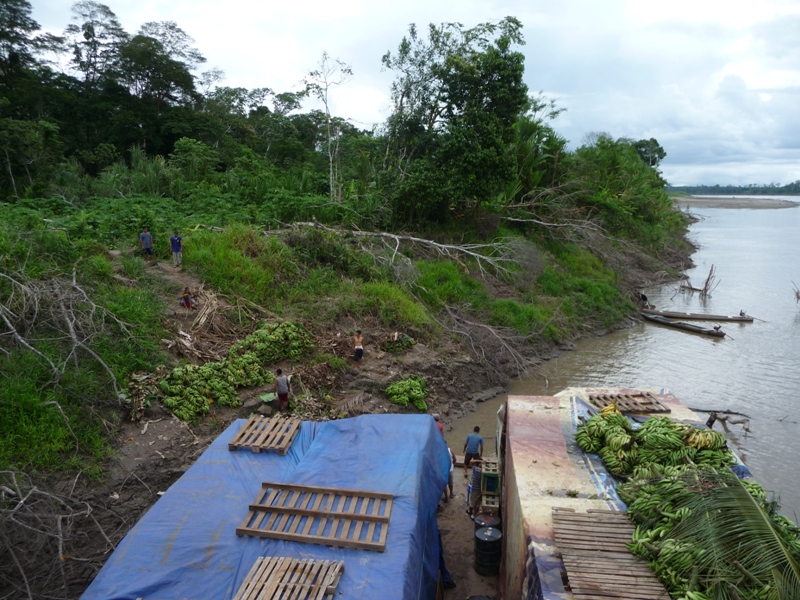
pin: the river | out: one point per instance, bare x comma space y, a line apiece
755, 370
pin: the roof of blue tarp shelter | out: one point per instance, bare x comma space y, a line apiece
186, 546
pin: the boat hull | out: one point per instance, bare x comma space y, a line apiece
699, 316
690, 327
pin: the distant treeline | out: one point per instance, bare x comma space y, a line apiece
754, 189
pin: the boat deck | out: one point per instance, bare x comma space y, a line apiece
545, 471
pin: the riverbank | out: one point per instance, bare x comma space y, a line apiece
495, 327
750, 202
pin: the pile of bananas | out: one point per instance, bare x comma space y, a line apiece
190, 390
273, 342
659, 443
657, 499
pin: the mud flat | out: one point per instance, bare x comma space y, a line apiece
751, 202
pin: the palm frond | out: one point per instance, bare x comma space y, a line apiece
742, 553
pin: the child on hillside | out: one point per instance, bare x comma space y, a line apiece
187, 300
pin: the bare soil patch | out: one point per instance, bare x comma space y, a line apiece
731, 202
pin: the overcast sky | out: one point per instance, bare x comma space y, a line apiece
717, 83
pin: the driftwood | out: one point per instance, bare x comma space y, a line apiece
709, 285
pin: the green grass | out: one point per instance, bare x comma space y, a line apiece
393, 306
310, 274
34, 434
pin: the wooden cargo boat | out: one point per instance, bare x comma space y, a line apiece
691, 327
699, 316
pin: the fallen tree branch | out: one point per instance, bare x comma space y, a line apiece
495, 256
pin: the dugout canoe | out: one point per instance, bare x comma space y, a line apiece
699, 316
691, 327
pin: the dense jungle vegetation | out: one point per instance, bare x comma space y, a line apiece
754, 189
517, 231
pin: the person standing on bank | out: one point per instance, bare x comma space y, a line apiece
176, 243
146, 241
282, 387
473, 448
358, 346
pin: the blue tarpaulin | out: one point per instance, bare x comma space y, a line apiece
185, 546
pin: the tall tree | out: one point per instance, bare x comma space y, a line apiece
175, 42
456, 99
95, 38
16, 36
330, 73
151, 74
650, 151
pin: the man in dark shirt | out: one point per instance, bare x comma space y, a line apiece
176, 244
146, 241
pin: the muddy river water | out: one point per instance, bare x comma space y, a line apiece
755, 370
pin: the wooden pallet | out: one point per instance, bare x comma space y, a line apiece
490, 504
279, 578
320, 515
263, 433
640, 402
598, 562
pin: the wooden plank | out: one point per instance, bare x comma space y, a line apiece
242, 433
364, 517
261, 433
273, 578
594, 552
304, 513
626, 593
641, 402
261, 437
314, 488
310, 522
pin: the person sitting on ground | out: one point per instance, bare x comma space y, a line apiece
473, 448
643, 298
187, 299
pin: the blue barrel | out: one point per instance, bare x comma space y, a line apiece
488, 551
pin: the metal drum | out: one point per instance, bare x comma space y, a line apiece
488, 550
486, 519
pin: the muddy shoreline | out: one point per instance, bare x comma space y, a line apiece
753, 202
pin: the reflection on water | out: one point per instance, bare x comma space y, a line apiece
756, 370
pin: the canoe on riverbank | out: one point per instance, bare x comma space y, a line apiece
691, 327
699, 316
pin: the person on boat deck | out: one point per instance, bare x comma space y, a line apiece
717, 327
742, 313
